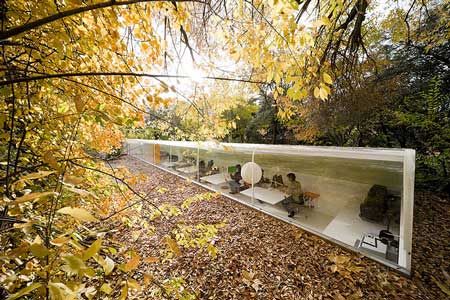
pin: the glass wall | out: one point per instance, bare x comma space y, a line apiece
357, 197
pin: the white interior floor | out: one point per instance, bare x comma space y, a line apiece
335, 216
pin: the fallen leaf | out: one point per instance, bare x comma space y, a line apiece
152, 259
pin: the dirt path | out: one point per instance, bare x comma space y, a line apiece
260, 257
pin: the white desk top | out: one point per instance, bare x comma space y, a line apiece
169, 164
271, 196
188, 170
215, 178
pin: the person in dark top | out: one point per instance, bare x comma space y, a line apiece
202, 168
294, 189
277, 181
264, 180
210, 165
236, 176
235, 183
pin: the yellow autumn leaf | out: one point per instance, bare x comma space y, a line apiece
106, 288
92, 250
79, 104
248, 275
107, 264
60, 240
212, 250
38, 250
76, 265
133, 263
77, 213
173, 246
325, 20
25, 291
133, 284
326, 88
36, 175
73, 180
151, 259
30, 197
50, 159
339, 259
323, 94
124, 292
316, 92
327, 78
147, 279
60, 291
80, 192
75, 2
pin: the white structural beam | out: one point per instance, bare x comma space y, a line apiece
407, 209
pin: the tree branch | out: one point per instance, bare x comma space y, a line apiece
35, 24
84, 74
142, 198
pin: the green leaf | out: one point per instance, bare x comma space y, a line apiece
24, 291
92, 250
78, 213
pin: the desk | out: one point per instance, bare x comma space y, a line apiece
270, 196
215, 179
188, 170
372, 242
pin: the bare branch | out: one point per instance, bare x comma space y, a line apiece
84, 74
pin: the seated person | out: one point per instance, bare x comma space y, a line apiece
294, 190
210, 169
264, 181
235, 182
277, 181
202, 169
210, 165
236, 176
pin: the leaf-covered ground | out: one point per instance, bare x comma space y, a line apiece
260, 257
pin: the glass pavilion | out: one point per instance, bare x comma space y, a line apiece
359, 198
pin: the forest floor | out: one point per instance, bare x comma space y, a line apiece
260, 257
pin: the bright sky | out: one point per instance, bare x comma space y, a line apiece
224, 65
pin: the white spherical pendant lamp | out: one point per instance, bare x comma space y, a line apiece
251, 173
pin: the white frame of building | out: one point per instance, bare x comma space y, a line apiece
404, 156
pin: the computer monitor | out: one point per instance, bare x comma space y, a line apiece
231, 169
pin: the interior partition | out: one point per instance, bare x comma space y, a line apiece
359, 198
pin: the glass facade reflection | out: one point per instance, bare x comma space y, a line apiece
360, 198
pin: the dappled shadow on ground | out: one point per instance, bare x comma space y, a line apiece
260, 257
